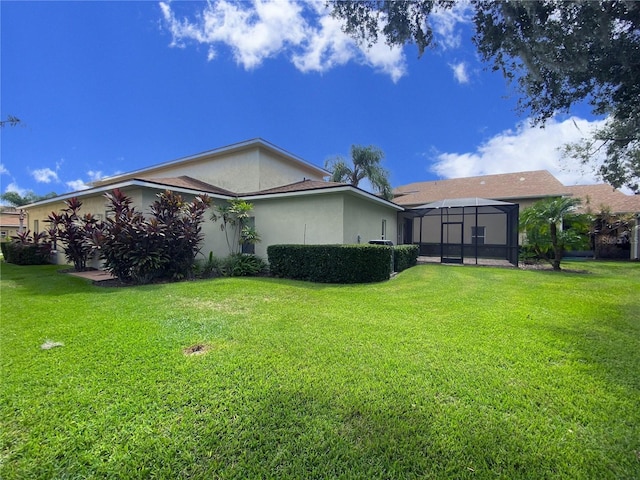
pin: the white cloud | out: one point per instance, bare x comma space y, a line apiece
445, 23
13, 187
95, 175
45, 175
303, 31
3, 170
325, 47
76, 185
523, 149
460, 72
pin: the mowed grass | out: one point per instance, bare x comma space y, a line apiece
442, 372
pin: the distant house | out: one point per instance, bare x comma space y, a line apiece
522, 189
9, 222
292, 201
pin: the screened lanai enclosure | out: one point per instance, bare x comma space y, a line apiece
463, 228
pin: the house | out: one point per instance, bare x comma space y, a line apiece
520, 188
523, 188
10, 222
292, 203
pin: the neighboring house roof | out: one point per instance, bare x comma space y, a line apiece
596, 197
246, 145
464, 202
10, 219
506, 186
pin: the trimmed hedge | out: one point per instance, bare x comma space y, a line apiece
25, 254
405, 256
331, 263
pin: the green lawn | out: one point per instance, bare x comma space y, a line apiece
442, 372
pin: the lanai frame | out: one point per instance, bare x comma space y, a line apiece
456, 215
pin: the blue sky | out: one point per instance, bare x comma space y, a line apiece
109, 87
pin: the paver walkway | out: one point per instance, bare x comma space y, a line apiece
94, 275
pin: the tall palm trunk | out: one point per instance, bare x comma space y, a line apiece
557, 249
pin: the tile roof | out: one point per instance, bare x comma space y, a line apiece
10, 219
300, 186
506, 186
192, 183
188, 182
595, 197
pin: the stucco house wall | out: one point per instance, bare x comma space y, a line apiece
303, 219
292, 203
363, 221
10, 223
244, 168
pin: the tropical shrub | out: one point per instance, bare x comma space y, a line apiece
404, 256
27, 249
234, 222
552, 227
139, 250
331, 263
73, 231
181, 225
242, 265
210, 267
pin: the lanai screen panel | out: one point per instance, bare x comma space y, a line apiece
465, 228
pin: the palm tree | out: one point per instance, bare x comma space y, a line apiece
543, 221
365, 163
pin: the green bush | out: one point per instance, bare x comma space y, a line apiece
71, 229
26, 254
242, 265
528, 254
209, 267
27, 249
331, 263
404, 256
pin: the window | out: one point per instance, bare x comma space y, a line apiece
250, 228
477, 235
36, 227
384, 229
3, 234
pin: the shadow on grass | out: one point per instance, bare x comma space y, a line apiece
307, 434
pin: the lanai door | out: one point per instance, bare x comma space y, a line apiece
451, 246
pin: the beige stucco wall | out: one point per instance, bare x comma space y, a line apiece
321, 218
363, 220
303, 219
214, 237
318, 218
241, 171
8, 232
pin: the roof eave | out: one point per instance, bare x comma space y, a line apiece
121, 185
326, 190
